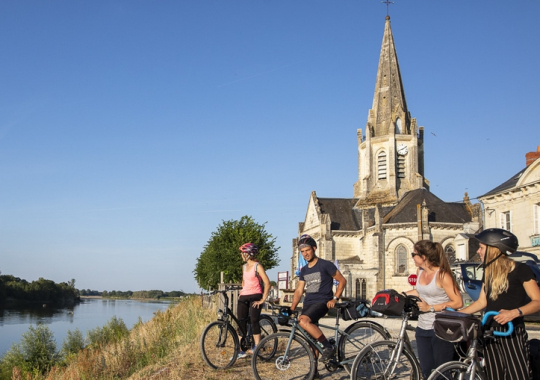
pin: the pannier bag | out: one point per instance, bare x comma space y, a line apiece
284, 315
355, 310
454, 326
388, 302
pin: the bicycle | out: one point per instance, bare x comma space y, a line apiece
389, 359
472, 366
291, 354
219, 341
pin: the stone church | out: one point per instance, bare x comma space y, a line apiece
371, 235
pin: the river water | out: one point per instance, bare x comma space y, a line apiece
89, 314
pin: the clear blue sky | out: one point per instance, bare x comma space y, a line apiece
129, 130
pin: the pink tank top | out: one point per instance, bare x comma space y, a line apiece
251, 282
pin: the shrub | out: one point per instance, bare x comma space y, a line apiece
73, 343
113, 331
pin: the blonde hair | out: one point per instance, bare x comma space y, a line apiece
496, 275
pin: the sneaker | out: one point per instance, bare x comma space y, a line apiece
327, 353
241, 355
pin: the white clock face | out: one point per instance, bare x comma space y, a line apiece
402, 149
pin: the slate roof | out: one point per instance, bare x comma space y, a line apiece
342, 214
345, 217
439, 211
510, 184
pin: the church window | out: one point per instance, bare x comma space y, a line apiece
401, 166
399, 127
381, 165
360, 291
401, 259
450, 253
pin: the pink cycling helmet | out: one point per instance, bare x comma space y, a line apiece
249, 248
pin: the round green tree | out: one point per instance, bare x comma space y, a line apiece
221, 253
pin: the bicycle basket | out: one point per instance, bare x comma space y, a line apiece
388, 302
355, 310
454, 326
284, 315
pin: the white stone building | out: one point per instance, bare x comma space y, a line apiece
371, 235
515, 205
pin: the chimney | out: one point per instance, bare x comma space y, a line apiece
532, 156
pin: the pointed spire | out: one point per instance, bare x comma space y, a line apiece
389, 102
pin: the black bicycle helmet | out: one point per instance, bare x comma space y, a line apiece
506, 241
306, 241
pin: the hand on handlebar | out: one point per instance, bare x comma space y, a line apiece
505, 316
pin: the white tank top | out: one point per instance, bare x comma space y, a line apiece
432, 295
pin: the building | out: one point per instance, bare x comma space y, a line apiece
515, 205
371, 235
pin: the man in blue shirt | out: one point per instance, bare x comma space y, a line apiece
316, 278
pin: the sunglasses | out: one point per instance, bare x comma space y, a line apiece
415, 254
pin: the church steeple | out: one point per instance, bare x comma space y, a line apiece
391, 153
389, 103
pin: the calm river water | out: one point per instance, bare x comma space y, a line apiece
89, 314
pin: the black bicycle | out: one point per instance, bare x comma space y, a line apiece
219, 341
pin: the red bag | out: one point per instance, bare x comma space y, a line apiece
388, 302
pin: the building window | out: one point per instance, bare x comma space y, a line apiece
399, 127
360, 291
401, 166
450, 253
506, 220
401, 260
536, 219
381, 165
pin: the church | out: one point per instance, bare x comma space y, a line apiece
370, 236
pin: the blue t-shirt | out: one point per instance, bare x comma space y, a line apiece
319, 281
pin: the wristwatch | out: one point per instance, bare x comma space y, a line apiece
519, 311
335, 298
432, 309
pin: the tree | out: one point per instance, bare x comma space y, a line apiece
221, 253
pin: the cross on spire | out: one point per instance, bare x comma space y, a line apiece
387, 2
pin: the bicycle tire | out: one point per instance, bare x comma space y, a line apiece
375, 360
453, 371
268, 327
219, 345
299, 364
360, 334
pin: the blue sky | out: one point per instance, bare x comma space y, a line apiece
129, 130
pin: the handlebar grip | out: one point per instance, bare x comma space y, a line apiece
510, 325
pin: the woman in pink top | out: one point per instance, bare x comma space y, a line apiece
251, 296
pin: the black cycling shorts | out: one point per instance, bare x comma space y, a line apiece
315, 311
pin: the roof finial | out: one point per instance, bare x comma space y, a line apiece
387, 2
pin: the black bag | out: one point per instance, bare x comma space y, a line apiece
454, 326
355, 310
284, 315
388, 302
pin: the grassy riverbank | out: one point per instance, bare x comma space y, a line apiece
166, 347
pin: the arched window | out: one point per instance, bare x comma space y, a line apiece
381, 165
401, 259
399, 127
450, 253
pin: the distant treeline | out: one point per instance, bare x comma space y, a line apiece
141, 294
13, 290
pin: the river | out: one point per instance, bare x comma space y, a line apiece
89, 314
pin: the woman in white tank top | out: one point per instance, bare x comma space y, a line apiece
437, 288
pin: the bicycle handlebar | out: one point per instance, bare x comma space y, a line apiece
510, 325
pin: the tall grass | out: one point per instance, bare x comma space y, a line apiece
166, 347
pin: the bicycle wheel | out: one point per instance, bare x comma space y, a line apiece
359, 335
299, 363
453, 371
219, 345
378, 361
268, 326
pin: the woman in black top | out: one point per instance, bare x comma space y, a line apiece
511, 289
